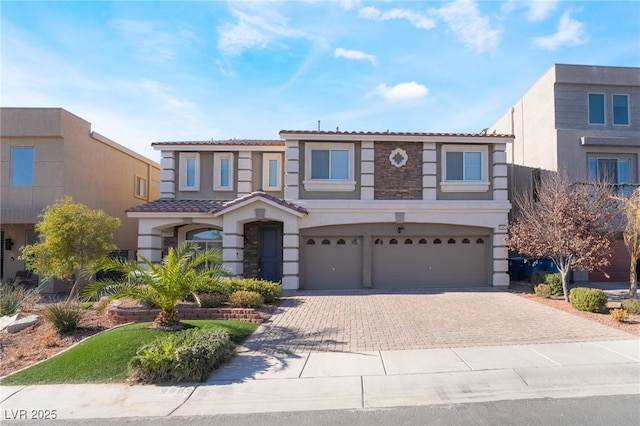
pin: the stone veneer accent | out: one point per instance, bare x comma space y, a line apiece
398, 183
250, 261
123, 315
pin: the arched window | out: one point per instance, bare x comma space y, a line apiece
465, 241
378, 241
451, 241
206, 238
422, 241
479, 241
326, 242
437, 241
408, 241
311, 242
341, 241
393, 241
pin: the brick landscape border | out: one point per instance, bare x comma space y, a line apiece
122, 315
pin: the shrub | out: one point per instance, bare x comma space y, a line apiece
619, 315
632, 306
212, 300
246, 299
270, 291
588, 299
555, 283
10, 299
538, 277
543, 290
186, 356
64, 317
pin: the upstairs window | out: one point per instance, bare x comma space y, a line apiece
329, 167
465, 168
223, 171
189, 171
140, 188
271, 172
614, 170
596, 108
22, 166
620, 109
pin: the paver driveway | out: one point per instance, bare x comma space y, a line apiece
369, 320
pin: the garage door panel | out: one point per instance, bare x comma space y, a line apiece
429, 262
333, 263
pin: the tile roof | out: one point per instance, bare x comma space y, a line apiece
228, 142
170, 205
387, 133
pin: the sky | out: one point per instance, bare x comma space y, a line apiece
150, 71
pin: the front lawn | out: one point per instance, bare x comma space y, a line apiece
104, 358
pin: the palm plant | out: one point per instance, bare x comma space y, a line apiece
181, 273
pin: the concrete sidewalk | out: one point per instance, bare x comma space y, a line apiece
257, 382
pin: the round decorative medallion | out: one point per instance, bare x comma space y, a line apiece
398, 157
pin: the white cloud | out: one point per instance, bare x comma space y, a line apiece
354, 54
257, 25
402, 91
468, 25
540, 10
417, 20
570, 33
151, 42
349, 4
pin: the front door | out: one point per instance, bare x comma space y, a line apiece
270, 252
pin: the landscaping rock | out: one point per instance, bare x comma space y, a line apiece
6, 320
22, 323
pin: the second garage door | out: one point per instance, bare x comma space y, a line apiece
333, 263
430, 262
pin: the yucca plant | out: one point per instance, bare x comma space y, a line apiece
180, 274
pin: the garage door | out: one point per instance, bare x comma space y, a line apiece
430, 262
618, 269
332, 263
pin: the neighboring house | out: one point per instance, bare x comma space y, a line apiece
584, 121
48, 153
339, 210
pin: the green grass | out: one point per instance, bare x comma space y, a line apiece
104, 358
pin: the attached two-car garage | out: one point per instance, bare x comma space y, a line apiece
387, 261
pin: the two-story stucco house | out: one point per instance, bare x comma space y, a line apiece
47, 153
339, 210
583, 121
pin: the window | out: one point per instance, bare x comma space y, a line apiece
223, 171
596, 108
329, 167
189, 171
271, 172
140, 190
22, 166
615, 170
206, 238
465, 168
620, 109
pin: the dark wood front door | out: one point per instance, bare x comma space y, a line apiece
270, 253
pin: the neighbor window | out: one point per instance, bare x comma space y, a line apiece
615, 170
223, 171
329, 167
140, 190
620, 109
271, 172
22, 166
465, 168
596, 108
189, 171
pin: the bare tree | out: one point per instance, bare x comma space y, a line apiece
572, 224
631, 233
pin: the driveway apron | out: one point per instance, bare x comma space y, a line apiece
370, 320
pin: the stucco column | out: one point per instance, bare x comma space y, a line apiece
149, 241
233, 246
500, 253
292, 170
290, 255
367, 180
168, 175
500, 192
244, 173
429, 171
